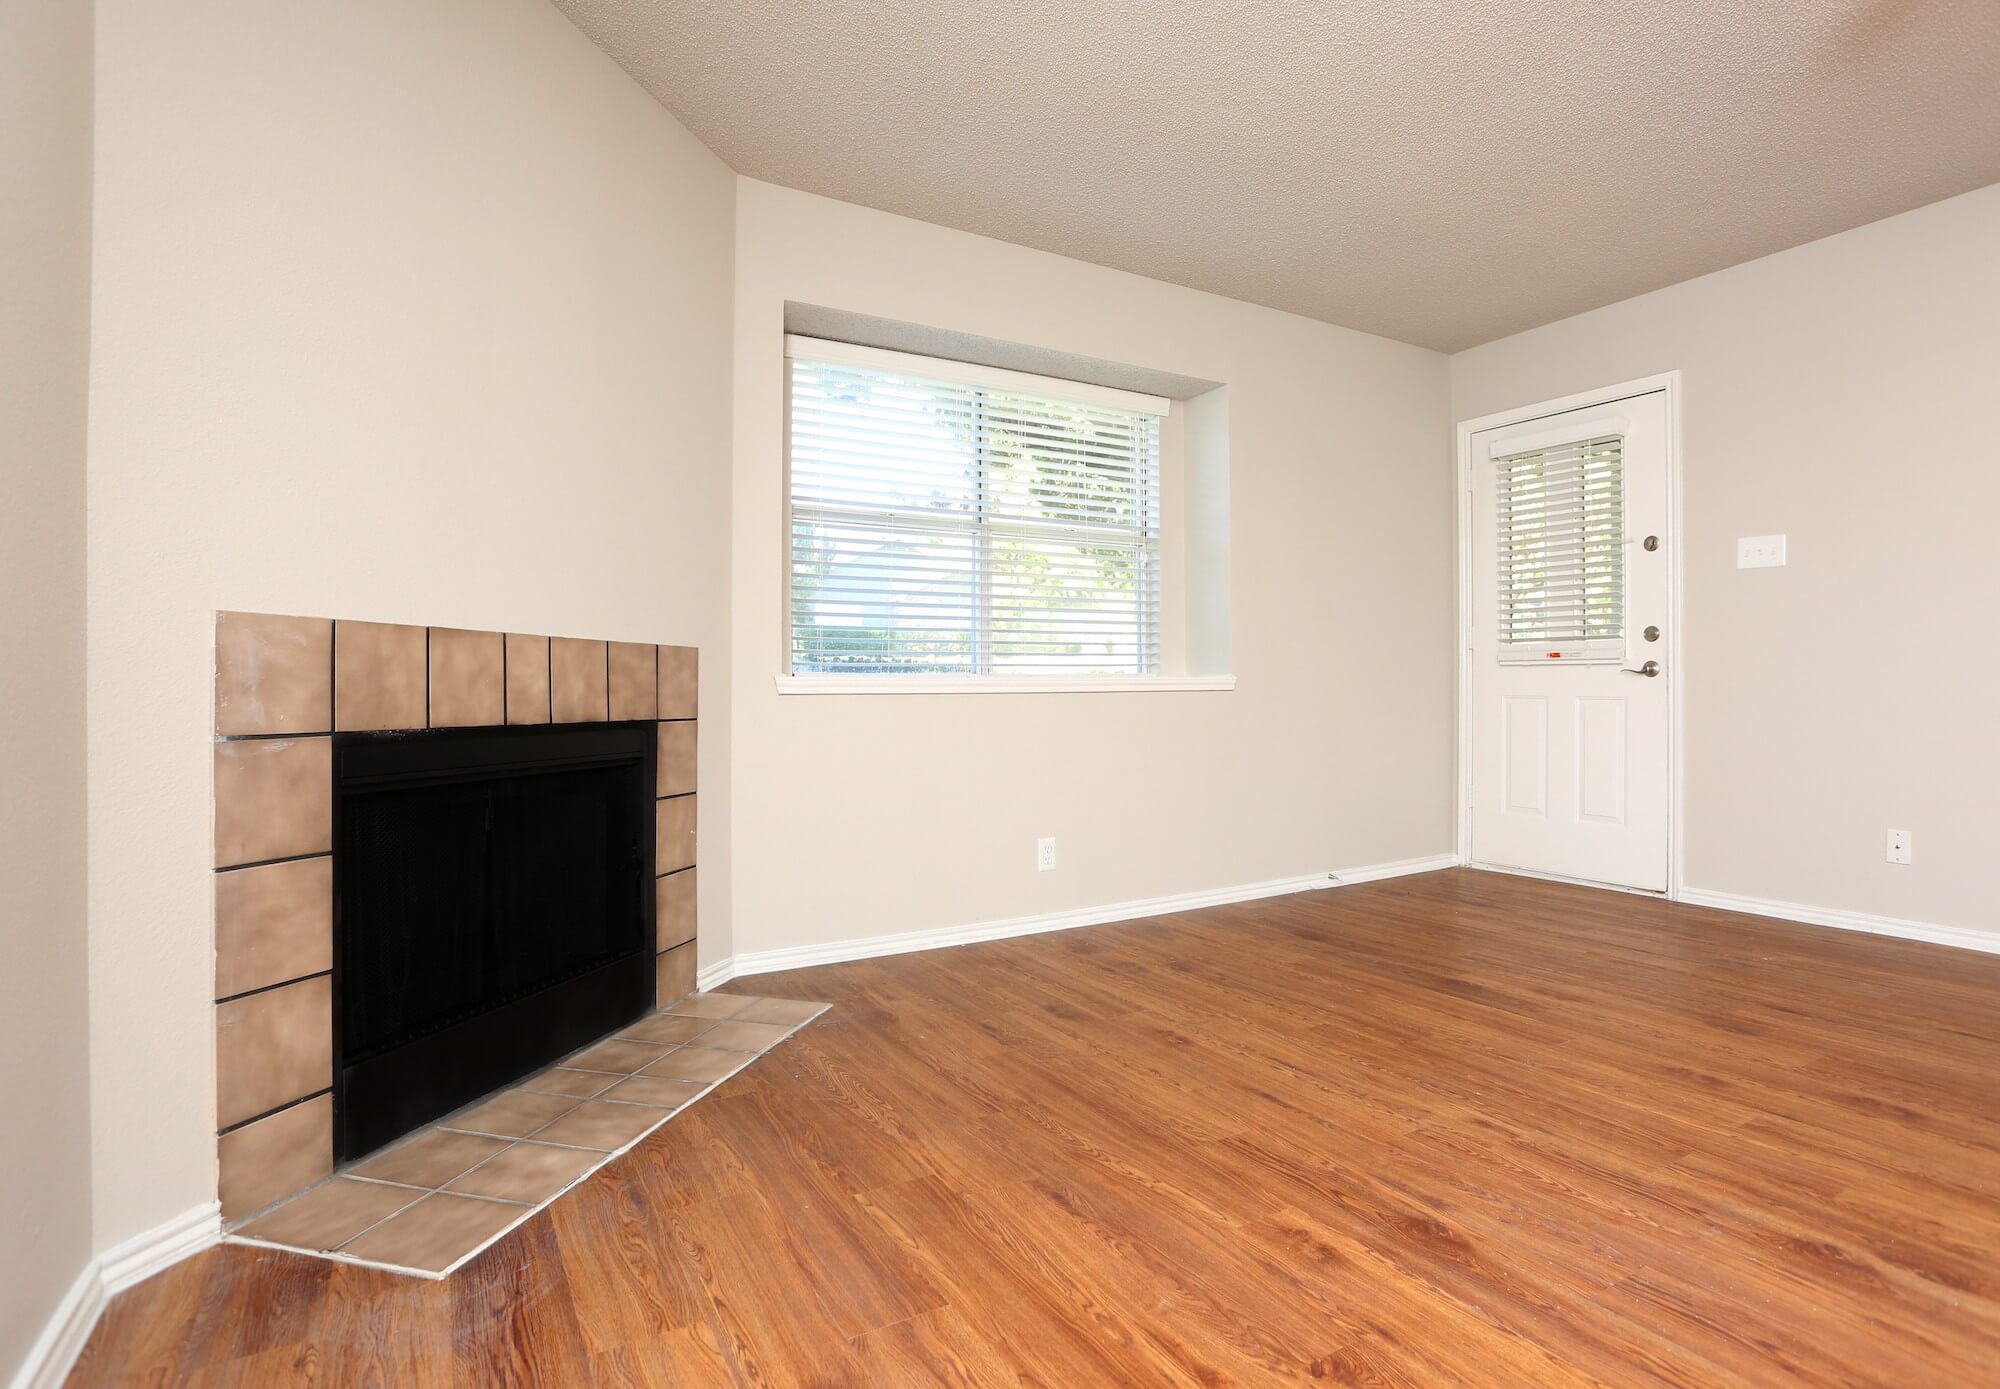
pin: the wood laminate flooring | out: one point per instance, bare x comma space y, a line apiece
1457, 1129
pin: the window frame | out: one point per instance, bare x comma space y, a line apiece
1580, 648
1151, 602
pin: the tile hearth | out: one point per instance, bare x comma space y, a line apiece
286, 689
432, 1200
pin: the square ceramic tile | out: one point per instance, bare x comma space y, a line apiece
430, 1159
274, 1157
657, 1091
737, 1035
674, 764
577, 681
468, 678
634, 680
666, 1029
272, 924
436, 1232
789, 1012
331, 1215
674, 973
527, 1172
272, 1048
674, 909
621, 1056
273, 674
674, 832
514, 1114
527, 679
717, 1006
595, 1124
378, 675
273, 799
679, 682
561, 1081
699, 1064
433, 1232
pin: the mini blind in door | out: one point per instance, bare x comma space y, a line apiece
956, 527
1560, 513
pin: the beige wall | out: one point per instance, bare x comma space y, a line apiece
870, 815
403, 312
45, 1214
1841, 393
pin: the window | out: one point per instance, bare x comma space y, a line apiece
1561, 518
955, 520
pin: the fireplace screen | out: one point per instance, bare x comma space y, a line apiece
493, 910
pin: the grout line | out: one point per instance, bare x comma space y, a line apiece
383, 1181
511, 1143
273, 737
267, 862
288, 1104
569, 1147
282, 983
427, 1191
390, 1216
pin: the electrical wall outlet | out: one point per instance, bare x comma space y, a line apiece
1899, 846
1045, 855
1760, 552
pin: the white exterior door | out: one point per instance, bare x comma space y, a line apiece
1571, 597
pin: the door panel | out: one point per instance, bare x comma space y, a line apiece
1601, 759
1570, 755
1526, 724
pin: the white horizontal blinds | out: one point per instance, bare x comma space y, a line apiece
949, 527
1561, 518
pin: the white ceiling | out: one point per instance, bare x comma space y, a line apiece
1440, 171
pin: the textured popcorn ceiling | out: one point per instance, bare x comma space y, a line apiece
1444, 171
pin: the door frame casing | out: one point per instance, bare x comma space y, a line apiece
1668, 382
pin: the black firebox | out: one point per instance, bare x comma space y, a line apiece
493, 909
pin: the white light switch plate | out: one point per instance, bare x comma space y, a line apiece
1760, 552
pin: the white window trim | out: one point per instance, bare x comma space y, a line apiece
999, 684
999, 378
972, 374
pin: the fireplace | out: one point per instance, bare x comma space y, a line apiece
493, 910
486, 809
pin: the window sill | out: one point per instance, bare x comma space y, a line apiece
996, 684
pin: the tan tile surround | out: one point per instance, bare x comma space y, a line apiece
283, 685
446, 1192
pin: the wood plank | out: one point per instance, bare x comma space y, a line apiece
1451, 1129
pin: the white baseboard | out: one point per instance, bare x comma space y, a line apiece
869, 947
56, 1349
1400, 868
110, 1273
161, 1247
721, 972
1962, 937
